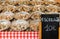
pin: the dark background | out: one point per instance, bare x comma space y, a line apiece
53, 34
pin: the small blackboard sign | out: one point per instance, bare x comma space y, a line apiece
50, 25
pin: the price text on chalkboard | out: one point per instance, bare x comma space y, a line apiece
50, 25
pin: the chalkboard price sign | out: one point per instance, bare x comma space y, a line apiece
50, 25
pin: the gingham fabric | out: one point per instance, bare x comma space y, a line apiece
18, 35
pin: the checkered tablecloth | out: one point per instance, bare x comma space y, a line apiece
18, 35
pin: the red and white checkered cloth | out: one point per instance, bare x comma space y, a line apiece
18, 35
